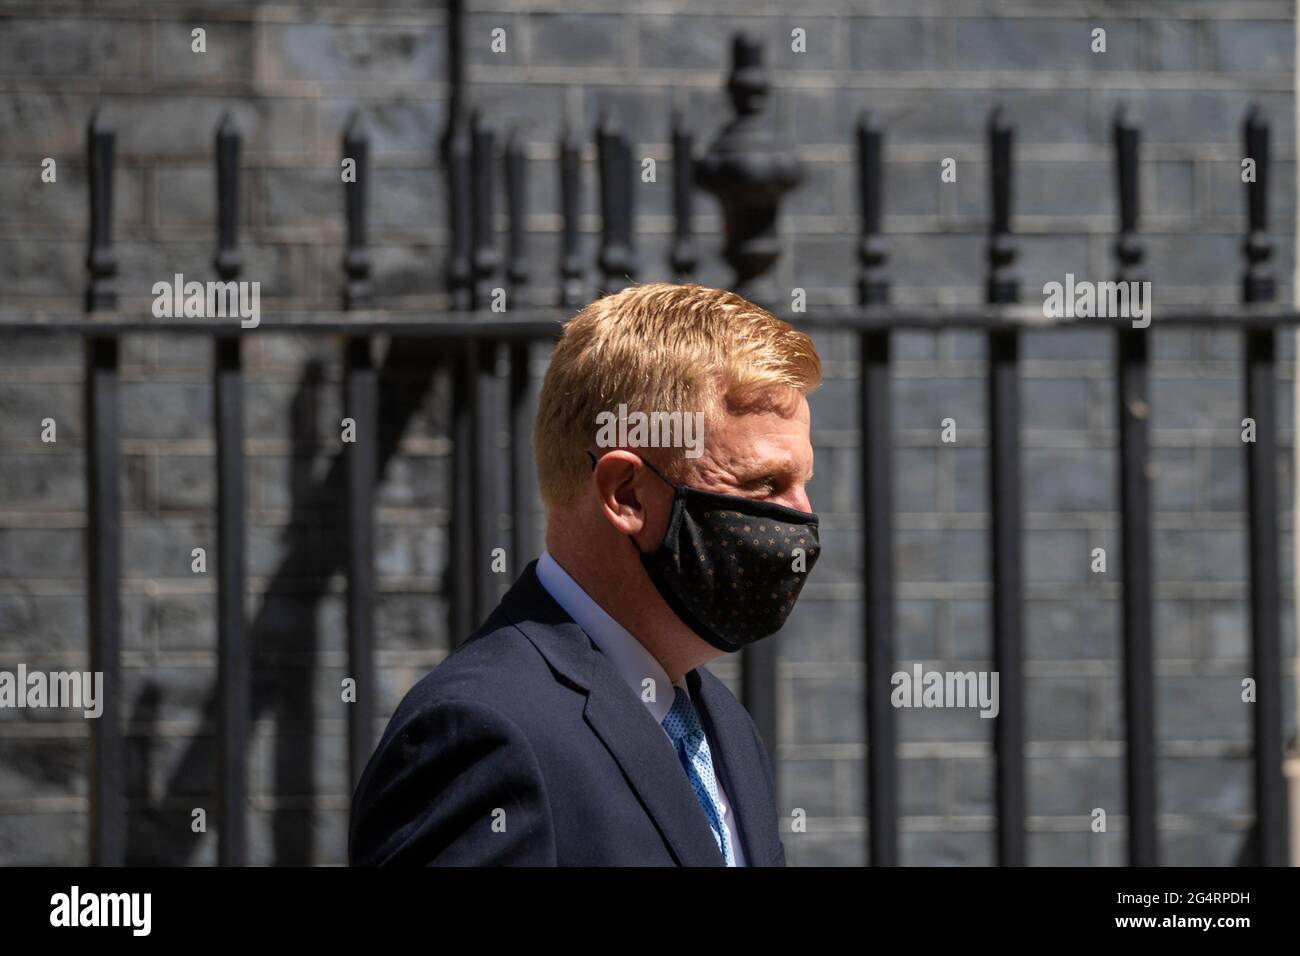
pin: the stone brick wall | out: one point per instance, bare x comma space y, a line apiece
930, 70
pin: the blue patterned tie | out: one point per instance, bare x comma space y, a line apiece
683, 726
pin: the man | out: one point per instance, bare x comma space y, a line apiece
576, 726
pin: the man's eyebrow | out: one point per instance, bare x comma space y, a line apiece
767, 469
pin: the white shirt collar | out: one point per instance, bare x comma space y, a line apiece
628, 655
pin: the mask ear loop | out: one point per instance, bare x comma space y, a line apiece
645, 462
678, 492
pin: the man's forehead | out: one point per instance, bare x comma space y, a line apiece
760, 440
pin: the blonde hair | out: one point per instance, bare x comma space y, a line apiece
660, 347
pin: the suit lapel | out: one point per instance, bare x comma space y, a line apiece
742, 773
619, 719
653, 769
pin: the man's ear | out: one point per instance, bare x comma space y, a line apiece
619, 481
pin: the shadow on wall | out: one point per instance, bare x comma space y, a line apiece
159, 834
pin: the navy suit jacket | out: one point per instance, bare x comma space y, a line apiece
530, 718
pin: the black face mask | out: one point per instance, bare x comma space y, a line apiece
727, 565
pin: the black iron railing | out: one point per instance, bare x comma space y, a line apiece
748, 171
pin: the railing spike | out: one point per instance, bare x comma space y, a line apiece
873, 289
684, 258
1257, 284
1002, 286
485, 257
227, 261
570, 198
356, 258
516, 200
100, 260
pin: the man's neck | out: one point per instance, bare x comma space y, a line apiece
637, 607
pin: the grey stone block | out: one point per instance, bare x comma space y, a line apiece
1041, 189
1226, 195
55, 119
1170, 44
1175, 622
1202, 708
1213, 786
313, 545
1227, 629
406, 551
1023, 43
1058, 708
576, 39
49, 47
482, 44
163, 547
1073, 787
823, 40
807, 785
916, 624
969, 476
823, 710
184, 622
1252, 46
53, 623
26, 405
1196, 403
311, 415
228, 55
941, 725
1059, 849
319, 760
970, 781
914, 346
173, 694
396, 125
42, 553
166, 409
1173, 486
1055, 404
815, 848
40, 350
48, 482
939, 556
1195, 116
1211, 847
834, 405
1168, 189
896, 43
411, 622
923, 403
1223, 479
187, 196
66, 201
42, 768
1057, 555
1200, 555
822, 630
1083, 629
303, 623
186, 482
398, 269
311, 197
1068, 479
916, 480
946, 848
44, 839
826, 190
969, 631
170, 125
331, 53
